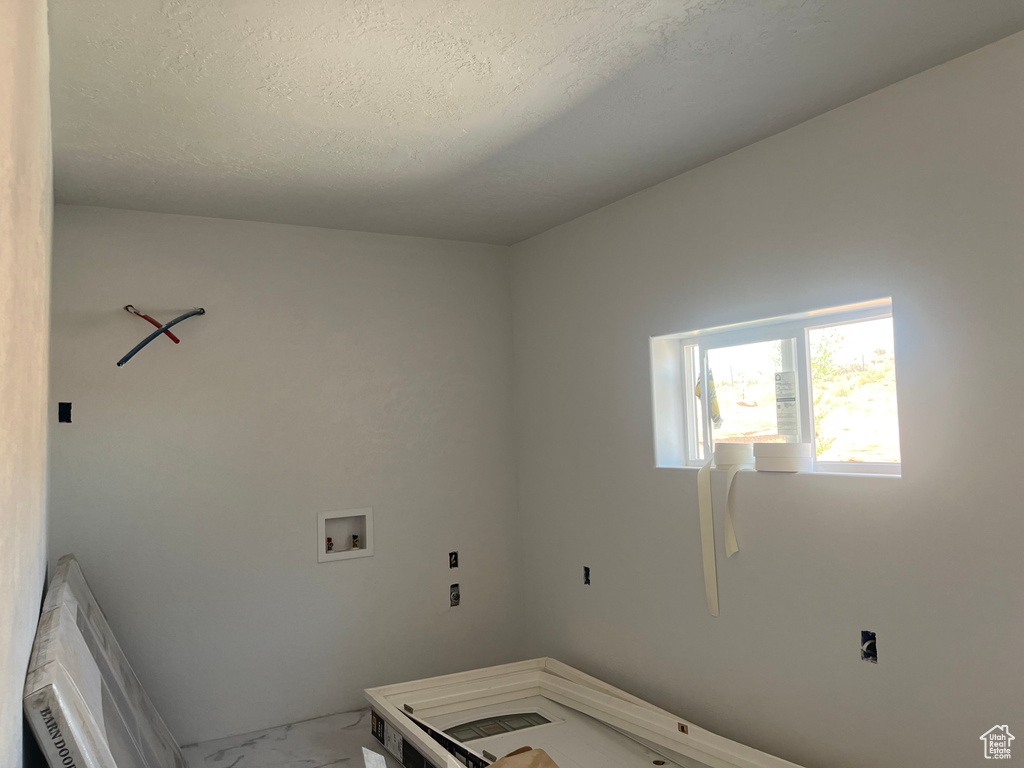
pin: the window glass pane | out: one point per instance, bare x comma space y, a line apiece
743, 395
853, 375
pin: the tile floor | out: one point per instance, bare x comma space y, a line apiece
334, 740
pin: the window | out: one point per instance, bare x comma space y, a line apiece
826, 377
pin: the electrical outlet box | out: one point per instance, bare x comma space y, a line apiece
868, 647
453, 595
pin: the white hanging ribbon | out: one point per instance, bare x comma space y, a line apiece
707, 537
732, 457
731, 545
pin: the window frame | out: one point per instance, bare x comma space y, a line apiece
677, 428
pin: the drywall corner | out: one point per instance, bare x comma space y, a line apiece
26, 211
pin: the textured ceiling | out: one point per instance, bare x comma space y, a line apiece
465, 119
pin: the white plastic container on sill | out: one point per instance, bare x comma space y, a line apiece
783, 457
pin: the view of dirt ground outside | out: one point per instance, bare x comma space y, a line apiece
853, 375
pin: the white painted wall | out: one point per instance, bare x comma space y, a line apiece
338, 369
26, 211
332, 370
916, 192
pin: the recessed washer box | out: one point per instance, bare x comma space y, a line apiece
341, 526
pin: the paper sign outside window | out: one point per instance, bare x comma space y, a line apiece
785, 403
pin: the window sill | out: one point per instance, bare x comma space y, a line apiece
829, 473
